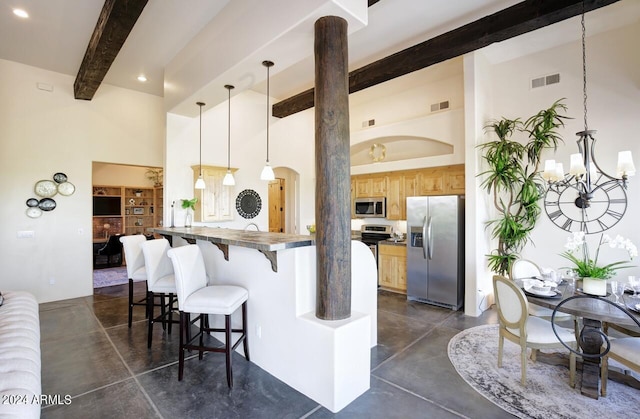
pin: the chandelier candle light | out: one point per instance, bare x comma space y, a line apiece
587, 199
267, 172
228, 178
200, 182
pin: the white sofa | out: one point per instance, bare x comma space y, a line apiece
20, 384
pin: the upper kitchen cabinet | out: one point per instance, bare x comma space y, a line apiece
371, 186
395, 197
454, 180
431, 182
215, 202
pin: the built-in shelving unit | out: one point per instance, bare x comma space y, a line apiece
140, 209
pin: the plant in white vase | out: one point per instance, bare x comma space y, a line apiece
190, 206
594, 276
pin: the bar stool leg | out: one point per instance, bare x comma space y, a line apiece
184, 326
150, 320
245, 343
228, 345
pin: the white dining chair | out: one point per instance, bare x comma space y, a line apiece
523, 269
527, 331
160, 282
624, 350
198, 298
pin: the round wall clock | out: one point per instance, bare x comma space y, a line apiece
248, 203
571, 212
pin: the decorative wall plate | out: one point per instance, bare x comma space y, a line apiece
248, 203
46, 188
66, 188
32, 202
47, 204
60, 177
34, 212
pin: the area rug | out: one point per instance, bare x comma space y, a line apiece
110, 276
474, 354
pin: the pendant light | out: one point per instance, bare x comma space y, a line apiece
200, 182
267, 172
228, 178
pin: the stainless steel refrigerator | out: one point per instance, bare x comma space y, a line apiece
435, 250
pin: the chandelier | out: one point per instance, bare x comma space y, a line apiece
586, 199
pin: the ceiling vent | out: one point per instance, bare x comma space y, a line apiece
369, 123
440, 106
545, 80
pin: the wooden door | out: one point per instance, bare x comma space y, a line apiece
276, 206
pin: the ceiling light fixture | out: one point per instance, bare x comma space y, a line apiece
228, 178
21, 13
142, 78
586, 199
267, 172
200, 182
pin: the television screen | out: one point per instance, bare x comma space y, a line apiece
107, 205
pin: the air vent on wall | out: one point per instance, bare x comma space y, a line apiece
369, 123
440, 106
545, 80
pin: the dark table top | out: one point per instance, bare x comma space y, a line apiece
591, 308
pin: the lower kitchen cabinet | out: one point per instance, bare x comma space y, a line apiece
392, 267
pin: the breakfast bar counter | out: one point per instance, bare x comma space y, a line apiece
265, 242
328, 361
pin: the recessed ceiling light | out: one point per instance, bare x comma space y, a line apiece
21, 13
142, 78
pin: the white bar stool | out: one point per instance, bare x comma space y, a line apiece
160, 281
194, 296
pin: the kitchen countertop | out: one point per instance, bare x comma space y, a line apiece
265, 242
393, 243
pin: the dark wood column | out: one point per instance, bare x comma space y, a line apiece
333, 170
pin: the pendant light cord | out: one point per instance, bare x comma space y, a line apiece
200, 104
584, 70
229, 87
268, 112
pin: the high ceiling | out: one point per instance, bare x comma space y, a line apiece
163, 41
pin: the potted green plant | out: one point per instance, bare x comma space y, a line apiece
594, 275
189, 205
514, 180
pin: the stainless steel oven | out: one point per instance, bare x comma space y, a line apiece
372, 234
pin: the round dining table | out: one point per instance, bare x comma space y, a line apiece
595, 312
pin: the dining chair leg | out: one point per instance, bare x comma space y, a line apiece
500, 346
130, 301
534, 355
572, 370
604, 375
228, 346
523, 362
184, 326
245, 343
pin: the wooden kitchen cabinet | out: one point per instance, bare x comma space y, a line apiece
431, 182
395, 197
371, 186
216, 201
454, 180
392, 267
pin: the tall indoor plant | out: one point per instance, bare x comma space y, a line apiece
514, 180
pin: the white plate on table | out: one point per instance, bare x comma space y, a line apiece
550, 293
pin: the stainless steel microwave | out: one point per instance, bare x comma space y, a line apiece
371, 207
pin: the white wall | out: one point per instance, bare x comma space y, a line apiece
42, 133
291, 145
613, 82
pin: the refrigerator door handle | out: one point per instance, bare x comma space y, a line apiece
425, 242
430, 239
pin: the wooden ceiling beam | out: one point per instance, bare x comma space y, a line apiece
508, 23
115, 22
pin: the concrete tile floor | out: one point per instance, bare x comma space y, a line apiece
89, 353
